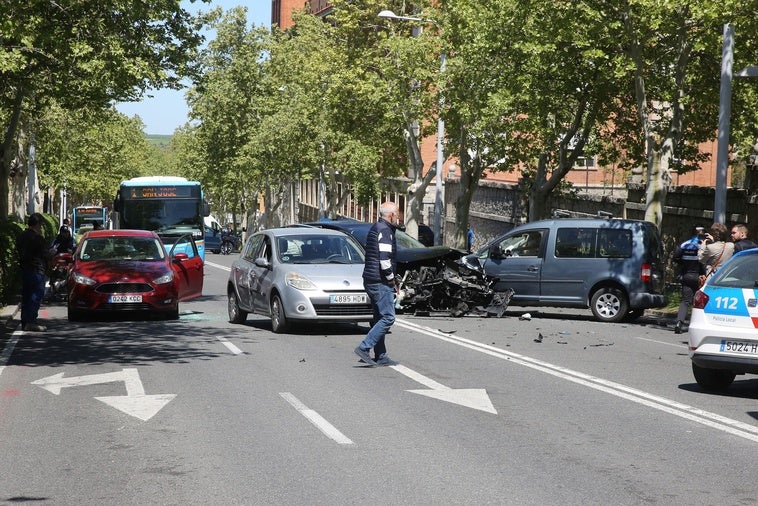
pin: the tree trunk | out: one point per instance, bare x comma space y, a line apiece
463, 207
415, 200
471, 168
658, 179
8, 152
539, 192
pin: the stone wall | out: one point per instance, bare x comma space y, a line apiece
497, 207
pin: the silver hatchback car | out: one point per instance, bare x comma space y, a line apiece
299, 275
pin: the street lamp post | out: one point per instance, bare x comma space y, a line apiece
725, 108
438, 204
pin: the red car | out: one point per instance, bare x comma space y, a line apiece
131, 270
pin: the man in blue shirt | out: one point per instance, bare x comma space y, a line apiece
690, 269
379, 283
470, 238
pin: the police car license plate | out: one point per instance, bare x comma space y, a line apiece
358, 298
742, 347
123, 299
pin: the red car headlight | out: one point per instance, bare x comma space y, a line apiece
166, 278
81, 279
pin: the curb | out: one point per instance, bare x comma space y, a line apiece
7, 313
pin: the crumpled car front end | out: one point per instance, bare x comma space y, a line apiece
439, 280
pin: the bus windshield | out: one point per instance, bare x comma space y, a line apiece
163, 216
170, 206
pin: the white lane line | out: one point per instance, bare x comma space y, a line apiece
675, 345
224, 340
229, 345
8, 350
218, 266
327, 428
685, 411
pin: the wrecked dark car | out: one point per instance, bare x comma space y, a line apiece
433, 279
452, 287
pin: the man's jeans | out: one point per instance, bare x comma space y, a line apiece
383, 303
32, 292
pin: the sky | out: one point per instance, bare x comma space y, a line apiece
167, 110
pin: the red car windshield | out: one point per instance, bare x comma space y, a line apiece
121, 248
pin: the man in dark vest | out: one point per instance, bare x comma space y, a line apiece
379, 282
34, 257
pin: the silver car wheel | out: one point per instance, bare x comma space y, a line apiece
279, 322
236, 315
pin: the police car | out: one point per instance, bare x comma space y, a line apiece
723, 330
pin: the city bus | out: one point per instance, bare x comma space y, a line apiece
170, 206
83, 218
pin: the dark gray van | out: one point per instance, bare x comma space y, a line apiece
615, 267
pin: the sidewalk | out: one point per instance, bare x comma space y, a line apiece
7, 313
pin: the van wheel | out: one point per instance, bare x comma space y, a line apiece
712, 379
609, 305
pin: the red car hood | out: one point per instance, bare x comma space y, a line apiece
109, 271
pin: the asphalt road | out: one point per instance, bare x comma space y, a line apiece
556, 409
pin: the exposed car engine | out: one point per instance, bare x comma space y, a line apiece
451, 287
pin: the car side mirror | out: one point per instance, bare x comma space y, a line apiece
262, 262
179, 257
496, 253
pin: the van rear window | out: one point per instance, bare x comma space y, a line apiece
593, 243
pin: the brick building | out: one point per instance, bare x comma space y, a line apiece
281, 10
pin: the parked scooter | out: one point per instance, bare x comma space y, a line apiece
230, 242
58, 275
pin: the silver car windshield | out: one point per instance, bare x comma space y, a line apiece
319, 249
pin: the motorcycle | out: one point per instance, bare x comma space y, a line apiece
229, 243
58, 275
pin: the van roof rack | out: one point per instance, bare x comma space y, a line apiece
604, 214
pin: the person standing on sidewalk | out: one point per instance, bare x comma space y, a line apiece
34, 257
379, 283
470, 238
715, 249
739, 236
690, 269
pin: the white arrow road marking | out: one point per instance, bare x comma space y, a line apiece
135, 403
685, 411
475, 398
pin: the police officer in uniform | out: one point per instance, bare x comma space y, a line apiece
690, 269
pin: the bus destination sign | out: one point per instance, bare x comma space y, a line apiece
159, 192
